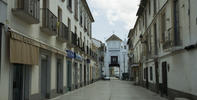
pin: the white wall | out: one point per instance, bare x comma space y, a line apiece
116, 48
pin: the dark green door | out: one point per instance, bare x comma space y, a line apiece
69, 75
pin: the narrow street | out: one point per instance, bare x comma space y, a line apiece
111, 90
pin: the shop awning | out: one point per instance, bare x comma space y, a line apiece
25, 50
23, 53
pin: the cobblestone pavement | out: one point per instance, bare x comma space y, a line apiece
111, 90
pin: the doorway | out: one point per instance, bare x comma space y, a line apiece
45, 76
21, 82
80, 75
76, 75
146, 74
164, 79
84, 74
69, 75
157, 76
59, 75
88, 75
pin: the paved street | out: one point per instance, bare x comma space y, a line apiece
111, 90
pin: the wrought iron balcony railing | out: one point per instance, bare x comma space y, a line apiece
28, 10
63, 33
49, 22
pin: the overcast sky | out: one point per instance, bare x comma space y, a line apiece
113, 17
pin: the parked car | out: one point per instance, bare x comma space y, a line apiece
106, 78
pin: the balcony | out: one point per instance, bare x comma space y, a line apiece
49, 22
28, 10
114, 64
63, 34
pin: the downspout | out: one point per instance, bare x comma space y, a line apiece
189, 13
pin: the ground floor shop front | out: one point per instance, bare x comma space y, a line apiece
31, 70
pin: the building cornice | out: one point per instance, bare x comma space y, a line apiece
84, 2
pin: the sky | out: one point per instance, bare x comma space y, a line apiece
113, 17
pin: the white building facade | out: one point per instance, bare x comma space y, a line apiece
116, 57
45, 48
164, 43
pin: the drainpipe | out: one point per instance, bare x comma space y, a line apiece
189, 13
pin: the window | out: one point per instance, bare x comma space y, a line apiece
75, 30
155, 38
59, 21
176, 23
85, 22
149, 6
149, 42
69, 29
59, 14
145, 19
163, 26
76, 9
90, 30
70, 4
151, 73
144, 73
81, 17
155, 6
114, 59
